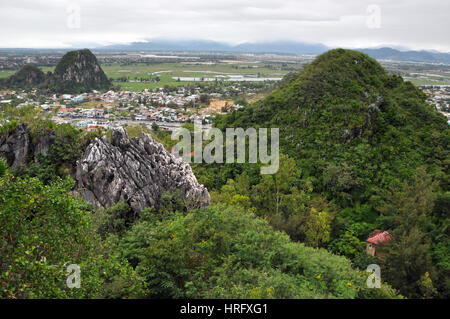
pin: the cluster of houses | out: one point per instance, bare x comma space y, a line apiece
111, 108
439, 95
145, 97
92, 118
5, 97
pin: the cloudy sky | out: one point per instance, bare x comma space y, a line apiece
415, 24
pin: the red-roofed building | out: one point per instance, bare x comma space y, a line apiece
93, 128
377, 239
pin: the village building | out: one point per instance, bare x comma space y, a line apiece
377, 239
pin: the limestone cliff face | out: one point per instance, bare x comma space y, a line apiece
42, 143
15, 146
136, 171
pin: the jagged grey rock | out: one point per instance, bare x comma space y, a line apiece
136, 171
15, 146
43, 143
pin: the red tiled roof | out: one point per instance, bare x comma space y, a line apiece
379, 238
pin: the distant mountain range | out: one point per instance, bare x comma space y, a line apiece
413, 56
279, 47
213, 46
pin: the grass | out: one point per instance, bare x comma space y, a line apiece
142, 70
5, 74
171, 70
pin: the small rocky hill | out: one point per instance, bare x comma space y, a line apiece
19, 148
79, 71
29, 75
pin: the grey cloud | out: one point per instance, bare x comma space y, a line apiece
418, 24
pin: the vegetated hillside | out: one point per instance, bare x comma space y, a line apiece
162, 251
78, 71
345, 114
28, 76
212, 253
361, 150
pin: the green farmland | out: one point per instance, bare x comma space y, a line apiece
166, 72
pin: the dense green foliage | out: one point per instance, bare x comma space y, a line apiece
225, 252
44, 230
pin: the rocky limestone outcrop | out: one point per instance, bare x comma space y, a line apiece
15, 146
136, 171
79, 71
43, 143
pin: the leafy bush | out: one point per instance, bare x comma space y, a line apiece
3, 166
43, 231
224, 252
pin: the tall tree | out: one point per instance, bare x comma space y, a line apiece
274, 188
406, 259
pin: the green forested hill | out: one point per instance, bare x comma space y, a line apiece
363, 147
344, 113
28, 76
